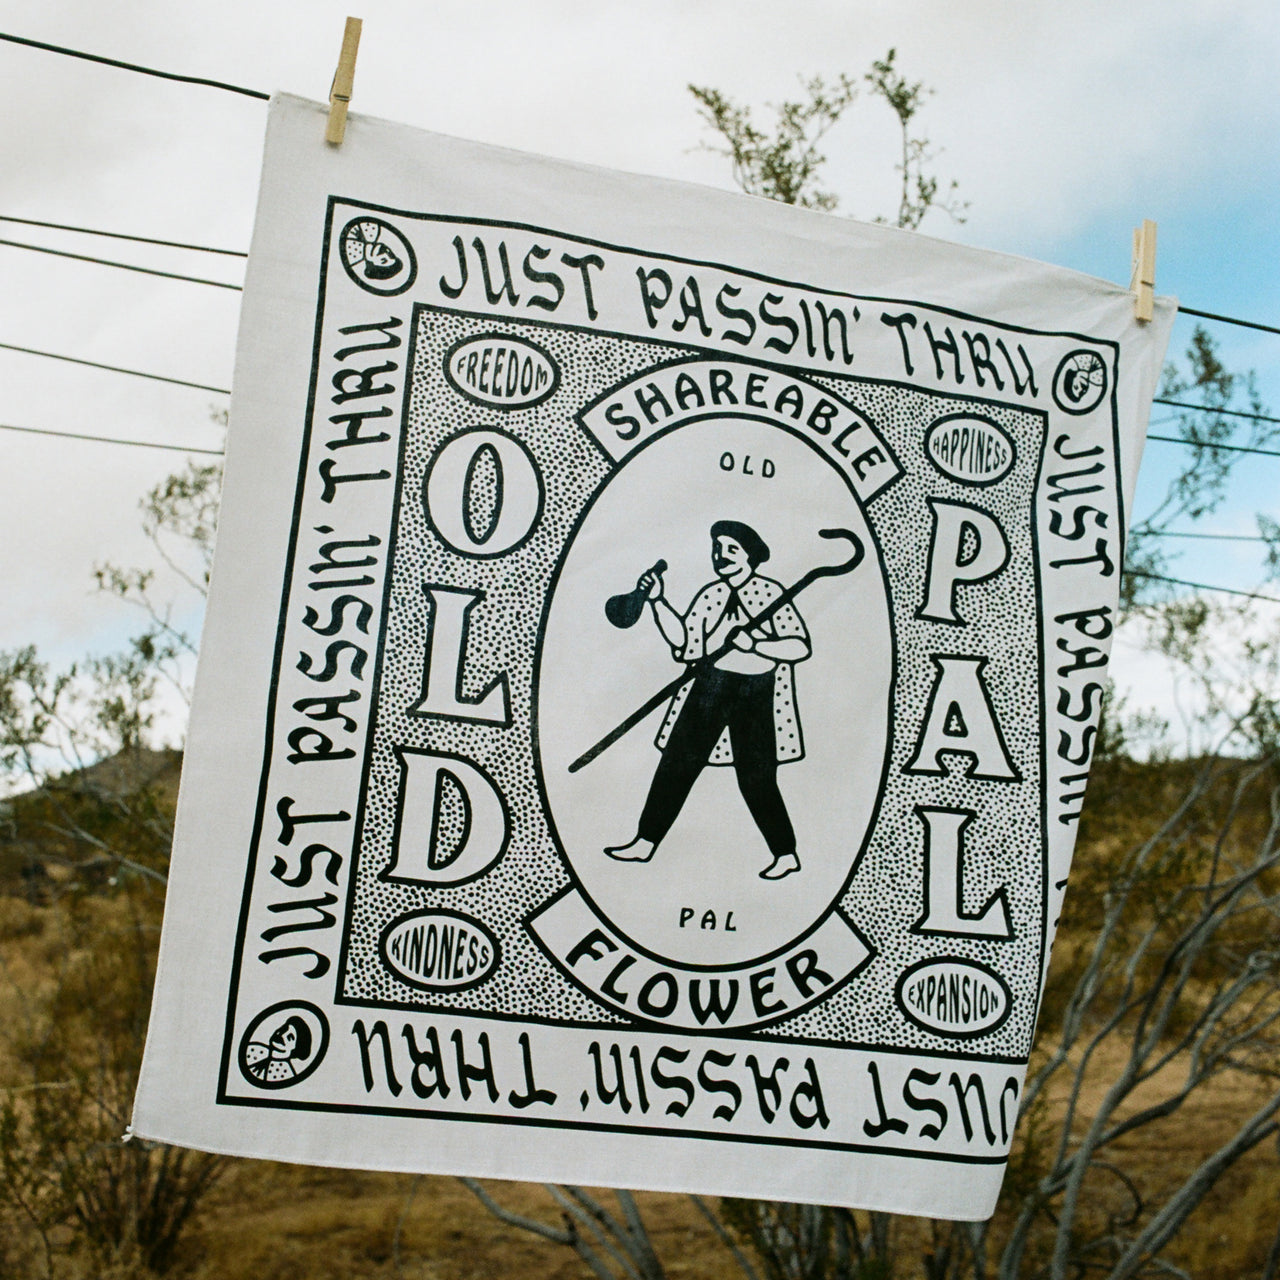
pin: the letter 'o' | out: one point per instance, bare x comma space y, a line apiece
510, 494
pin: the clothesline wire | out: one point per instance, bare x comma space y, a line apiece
202, 386
1206, 408
1212, 444
147, 444
79, 435
123, 266
114, 368
120, 235
237, 253
1244, 324
257, 93
1202, 586
219, 284
217, 453
133, 66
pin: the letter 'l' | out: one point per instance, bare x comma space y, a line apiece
944, 882
446, 653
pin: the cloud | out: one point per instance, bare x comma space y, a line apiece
1060, 121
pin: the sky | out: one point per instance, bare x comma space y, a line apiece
1064, 125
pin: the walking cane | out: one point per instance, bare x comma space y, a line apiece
822, 571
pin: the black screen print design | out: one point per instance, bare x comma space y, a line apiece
670, 730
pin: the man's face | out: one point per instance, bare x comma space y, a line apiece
729, 559
283, 1041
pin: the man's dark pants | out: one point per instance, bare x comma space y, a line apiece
743, 704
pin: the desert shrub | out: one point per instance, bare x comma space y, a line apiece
73, 1191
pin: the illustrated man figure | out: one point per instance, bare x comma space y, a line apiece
279, 1058
738, 710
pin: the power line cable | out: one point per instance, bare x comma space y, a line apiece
265, 97
147, 444
1201, 586
1210, 444
120, 235
202, 386
123, 266
77, 435
1215, 537
1244, 324
133, 66
177, 448
240, 253
1205, 408
112, 368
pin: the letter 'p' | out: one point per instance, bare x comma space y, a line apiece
968, 546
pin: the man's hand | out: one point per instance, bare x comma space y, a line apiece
651, 584
742, 639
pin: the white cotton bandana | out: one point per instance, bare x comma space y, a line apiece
650, 678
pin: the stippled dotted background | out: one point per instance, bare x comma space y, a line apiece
1004, 844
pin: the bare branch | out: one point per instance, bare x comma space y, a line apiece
592, 1215
725, 1238
519, 1220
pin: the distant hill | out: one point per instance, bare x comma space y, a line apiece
70, 831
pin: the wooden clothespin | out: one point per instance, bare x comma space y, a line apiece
1142, 284
343, 79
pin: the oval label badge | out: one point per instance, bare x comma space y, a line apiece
502, 372
969, 448
591, 673
440, 950
954, 997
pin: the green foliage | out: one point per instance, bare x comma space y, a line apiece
73, 1192
87, 836
785, 164
28, 701
919, 187
51, 721
783, 167
180, 518
184, 508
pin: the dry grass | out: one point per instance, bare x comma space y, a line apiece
299, 1223
1229, 1234
265, 1220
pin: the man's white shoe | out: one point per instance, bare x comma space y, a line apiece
783, 865
639, 850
